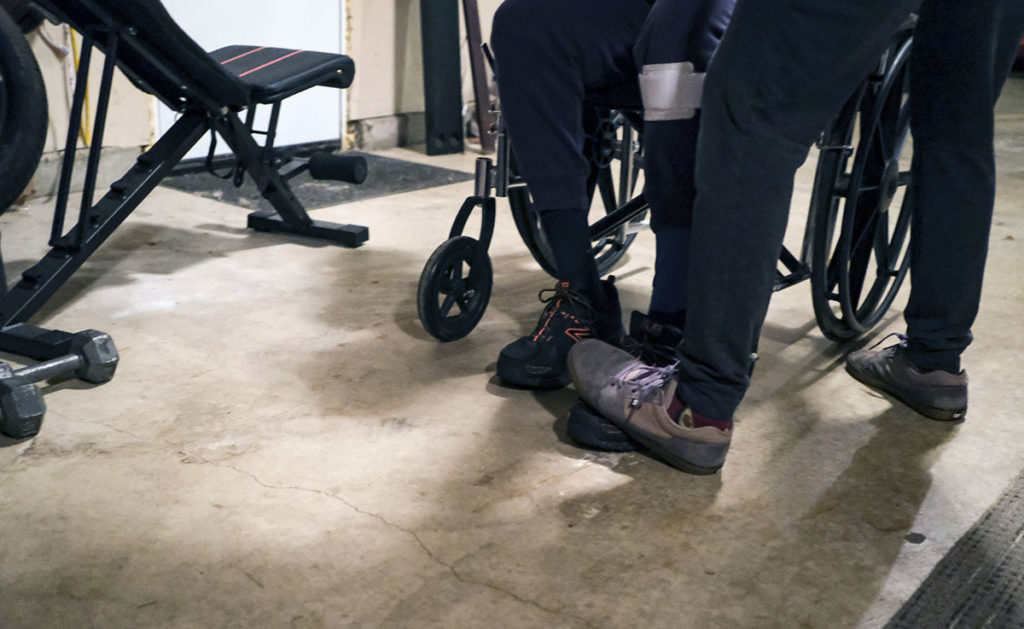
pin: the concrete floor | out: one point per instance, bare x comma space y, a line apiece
284, 445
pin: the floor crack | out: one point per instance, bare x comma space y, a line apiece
413, 534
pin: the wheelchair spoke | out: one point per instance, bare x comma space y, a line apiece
882, 144
446, 305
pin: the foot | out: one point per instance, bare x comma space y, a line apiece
652, 343
537, 361
641, 401
938, 395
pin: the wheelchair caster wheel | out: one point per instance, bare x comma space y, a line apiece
454, 288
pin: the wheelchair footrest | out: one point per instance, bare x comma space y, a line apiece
334, 233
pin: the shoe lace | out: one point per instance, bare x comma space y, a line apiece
901, 338
645, 382
564, 298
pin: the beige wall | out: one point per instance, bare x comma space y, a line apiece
129, 124
384, 41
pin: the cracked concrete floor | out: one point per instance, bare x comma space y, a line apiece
284, 445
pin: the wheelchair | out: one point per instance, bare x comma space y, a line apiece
854, 246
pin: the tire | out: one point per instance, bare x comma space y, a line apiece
23, 112
614, 150
860, 206
454, 288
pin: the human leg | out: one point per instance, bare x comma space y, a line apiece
960, 60
679, 37
677, 41
961, 56
550, 55
765, 100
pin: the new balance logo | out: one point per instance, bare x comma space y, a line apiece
578, 334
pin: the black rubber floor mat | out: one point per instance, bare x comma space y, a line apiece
980, 583
385, 176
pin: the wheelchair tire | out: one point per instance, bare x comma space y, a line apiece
23, 112
861, 207
615, 140
454, 288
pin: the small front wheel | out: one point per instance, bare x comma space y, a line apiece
454, 288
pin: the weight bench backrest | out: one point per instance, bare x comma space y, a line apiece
159, 57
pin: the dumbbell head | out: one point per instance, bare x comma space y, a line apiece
21, 406
98, 354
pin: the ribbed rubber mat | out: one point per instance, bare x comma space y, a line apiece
385, 176
980, 583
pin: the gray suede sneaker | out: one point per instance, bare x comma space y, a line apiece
938, 395
640, 400
652, 343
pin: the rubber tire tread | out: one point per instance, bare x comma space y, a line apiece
23, 131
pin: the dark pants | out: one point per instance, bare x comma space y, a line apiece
555, 55
783, 70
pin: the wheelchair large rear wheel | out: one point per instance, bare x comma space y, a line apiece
614, 149
860, 203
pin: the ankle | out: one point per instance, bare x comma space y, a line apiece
678, 407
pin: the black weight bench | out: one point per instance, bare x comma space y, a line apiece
209, 90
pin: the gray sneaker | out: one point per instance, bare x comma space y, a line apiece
649, 341
939, 395
640, 400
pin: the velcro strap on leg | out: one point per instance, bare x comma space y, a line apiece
670, 91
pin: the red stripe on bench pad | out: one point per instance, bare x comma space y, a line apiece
270, 63
242, 55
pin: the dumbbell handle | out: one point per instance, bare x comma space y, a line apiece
52, 368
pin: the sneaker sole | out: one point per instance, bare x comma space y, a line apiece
547, 383
518, 375
683, 461
589, 428
931, 412
710, 455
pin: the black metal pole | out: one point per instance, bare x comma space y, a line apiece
481, 91
442, 81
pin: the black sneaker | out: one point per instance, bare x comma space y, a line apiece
938, 395
537, 361
652, 343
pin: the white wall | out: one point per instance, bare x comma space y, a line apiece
311, 116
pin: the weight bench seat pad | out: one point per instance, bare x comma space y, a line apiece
276, 73
159, 57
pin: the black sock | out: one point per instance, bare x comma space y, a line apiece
568, 234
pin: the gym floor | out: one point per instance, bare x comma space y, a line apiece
284, 445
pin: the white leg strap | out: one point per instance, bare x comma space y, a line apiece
670, 91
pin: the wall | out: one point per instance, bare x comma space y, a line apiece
383, 37
384, 41
130, 122
129, 107
311, 116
